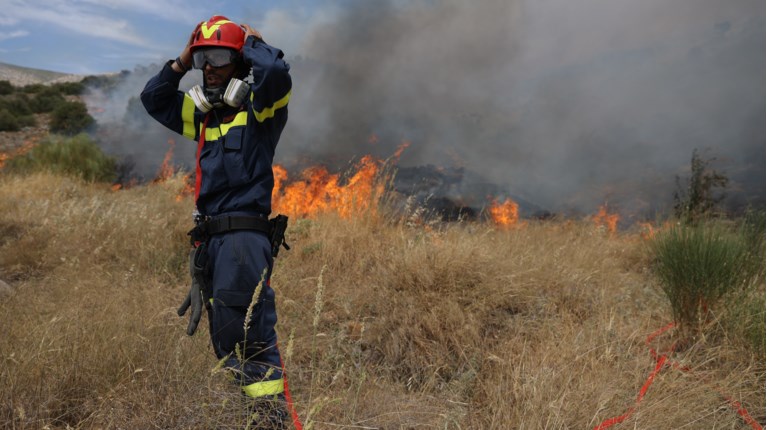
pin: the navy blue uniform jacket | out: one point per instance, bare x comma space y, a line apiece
236, 158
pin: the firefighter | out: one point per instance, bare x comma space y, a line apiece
236, 125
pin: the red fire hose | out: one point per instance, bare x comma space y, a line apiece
662, 361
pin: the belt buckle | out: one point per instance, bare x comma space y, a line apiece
200, 218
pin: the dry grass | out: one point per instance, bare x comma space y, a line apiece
459, 326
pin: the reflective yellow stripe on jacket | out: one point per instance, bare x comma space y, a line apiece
213, 133
187, 117
268, 112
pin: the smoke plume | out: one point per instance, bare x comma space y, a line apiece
562, 105
565, 104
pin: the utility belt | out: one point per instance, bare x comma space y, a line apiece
206, 227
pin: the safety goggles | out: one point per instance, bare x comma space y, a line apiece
216, 57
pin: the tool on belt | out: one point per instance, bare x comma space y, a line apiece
201, 290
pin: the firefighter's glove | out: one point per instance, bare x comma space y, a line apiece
195, 297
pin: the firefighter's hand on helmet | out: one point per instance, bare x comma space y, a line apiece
250, 31
194, 32
186, 54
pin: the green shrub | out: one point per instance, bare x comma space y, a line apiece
46, 100
6, 103
8, 122
77, 156
704, 190
70, 118
33, 88
5, 88
26, 120
69, 88
700, 265
15, 112
105, 83
17, 104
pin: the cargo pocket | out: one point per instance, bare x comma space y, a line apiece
227, 325
234, 163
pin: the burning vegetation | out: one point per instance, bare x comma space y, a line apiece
504, 214
21, 150
318, 191
365, 188
368, 187
605, 219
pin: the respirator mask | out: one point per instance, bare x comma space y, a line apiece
210, 98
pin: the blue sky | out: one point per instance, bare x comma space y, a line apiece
100, 36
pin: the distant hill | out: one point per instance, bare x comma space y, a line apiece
21, 76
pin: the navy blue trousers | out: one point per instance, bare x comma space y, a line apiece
238, 261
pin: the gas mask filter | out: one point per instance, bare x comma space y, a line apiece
209, 98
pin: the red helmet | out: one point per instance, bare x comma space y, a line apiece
218, 32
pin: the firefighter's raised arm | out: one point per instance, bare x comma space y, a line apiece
183, 62
250, 31
271, 78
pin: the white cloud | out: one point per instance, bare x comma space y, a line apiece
15, 50
95, 18
171, 10
13, 35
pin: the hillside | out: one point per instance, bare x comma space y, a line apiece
21, 76
12, 141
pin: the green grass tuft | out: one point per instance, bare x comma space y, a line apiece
703, 266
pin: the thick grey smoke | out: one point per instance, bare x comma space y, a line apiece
128, 133
562, 105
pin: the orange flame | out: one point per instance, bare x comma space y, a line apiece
400, 149
188, 189
166, 172
605, 219
320, 191
648, 231
21, 150
506, 214
117, 186
166, 168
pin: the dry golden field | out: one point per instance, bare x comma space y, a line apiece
383, 324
